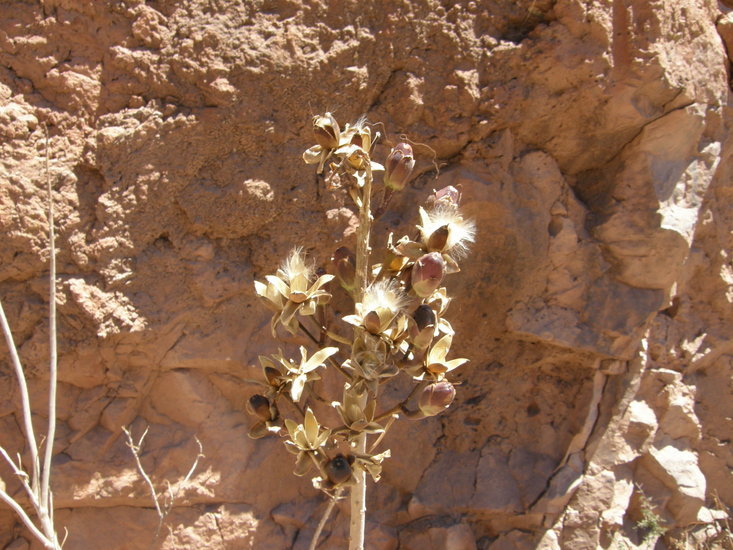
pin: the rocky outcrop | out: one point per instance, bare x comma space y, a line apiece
591, 143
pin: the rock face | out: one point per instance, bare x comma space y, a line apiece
591, 141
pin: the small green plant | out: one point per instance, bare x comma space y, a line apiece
398, 325
650, 523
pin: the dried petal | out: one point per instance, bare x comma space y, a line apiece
311, 427
296, 388
258, 431
303, 464
313, 155
372, 322
317, 359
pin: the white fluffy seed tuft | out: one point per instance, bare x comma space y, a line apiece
295, 265
384, 294
461, 232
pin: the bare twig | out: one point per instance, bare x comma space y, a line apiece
163, 500
326, 514
135, 448
195, 464
24, 398
387, 426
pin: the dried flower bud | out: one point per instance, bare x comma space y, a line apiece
326, 131
259, 406
427, 274
438, 239
424, 316
398, 168
343, 264
436, 397
449, 196
338, 469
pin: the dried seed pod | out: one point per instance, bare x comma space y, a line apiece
259, 406
343, 264
326, 131
436, 397
438, 239
399, 165
424, 316
373, 322
448, 195
427, 274
338, 469
273, 376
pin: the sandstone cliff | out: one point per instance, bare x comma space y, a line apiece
591, 140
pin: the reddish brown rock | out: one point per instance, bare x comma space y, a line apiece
590, 141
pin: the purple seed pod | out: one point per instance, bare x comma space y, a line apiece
436, 397
399, 165
427, 274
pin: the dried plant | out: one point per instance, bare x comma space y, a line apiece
37, 483
398, 326
163, 500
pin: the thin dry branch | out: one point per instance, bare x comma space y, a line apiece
326, 514
53, 354
38, 484
163, 500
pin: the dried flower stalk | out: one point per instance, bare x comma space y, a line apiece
398, 327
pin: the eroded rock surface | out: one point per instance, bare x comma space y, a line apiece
591, 143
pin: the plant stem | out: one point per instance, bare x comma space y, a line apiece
324, 519
358, 490
362, 239
53, 358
